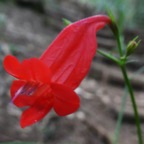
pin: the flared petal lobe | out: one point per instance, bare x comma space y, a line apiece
12, 65
31, 69
66, 100
39, 103
70, 55
36, 112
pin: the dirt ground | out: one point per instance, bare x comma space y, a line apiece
27, 33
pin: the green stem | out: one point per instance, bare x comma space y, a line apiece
109, 56
119, 45
120, 117
121, 113
130, 89
117, 35
129, 86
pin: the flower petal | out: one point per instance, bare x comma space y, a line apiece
31, 69
25, 93
12, 66
36, 112
17, 99
66, 100
70, 55
17, 69
15, 86
38, 70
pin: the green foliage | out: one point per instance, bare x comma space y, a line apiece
13, 49
129, 13
2, 20
7, 1
122, 9
139, 14
66, 22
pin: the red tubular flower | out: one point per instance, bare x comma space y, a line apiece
48, 82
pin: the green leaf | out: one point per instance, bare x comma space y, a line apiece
66, 22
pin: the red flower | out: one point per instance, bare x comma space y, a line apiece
48, 82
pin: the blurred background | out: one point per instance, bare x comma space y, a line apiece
27, 27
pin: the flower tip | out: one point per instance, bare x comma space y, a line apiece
22, 125
6, 60
9, 63
74, 107
9, 58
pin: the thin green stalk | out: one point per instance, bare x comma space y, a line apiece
130, 89
120, 117
129, 86
109, 56
116, 33
121, 113
119, 45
